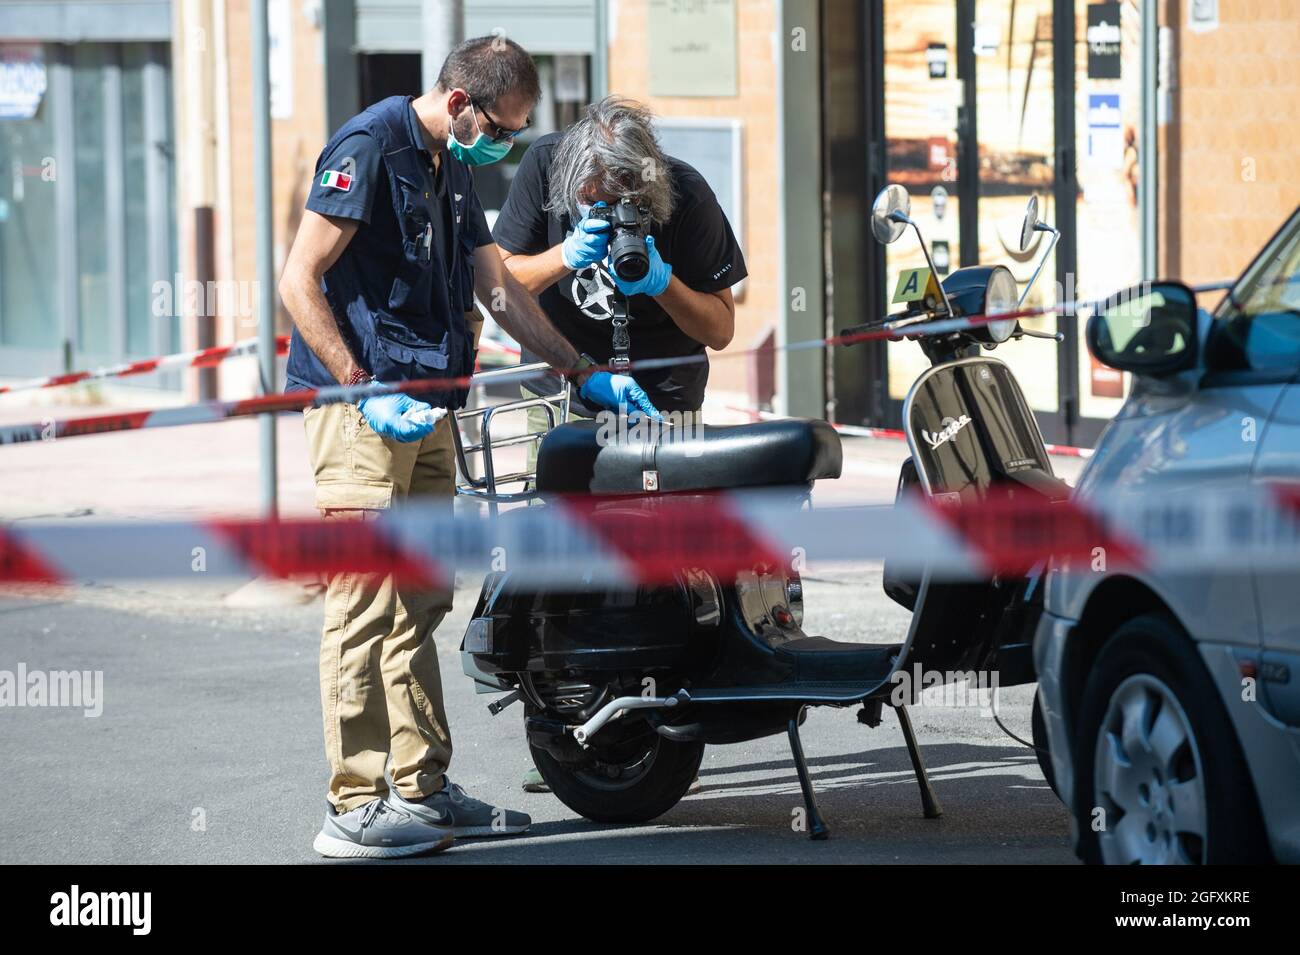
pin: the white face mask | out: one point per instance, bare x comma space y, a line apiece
584, 209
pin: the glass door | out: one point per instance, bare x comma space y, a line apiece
1108, 109
1015, 136
923, 100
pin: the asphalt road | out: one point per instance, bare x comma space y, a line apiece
208, 750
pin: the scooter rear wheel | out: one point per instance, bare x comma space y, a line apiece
635, 790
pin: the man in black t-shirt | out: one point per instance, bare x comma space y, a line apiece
556, 251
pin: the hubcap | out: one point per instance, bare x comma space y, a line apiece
1148, 778
623, 774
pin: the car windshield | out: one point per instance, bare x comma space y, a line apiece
1258, 322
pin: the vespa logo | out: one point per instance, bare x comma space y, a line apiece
950, 429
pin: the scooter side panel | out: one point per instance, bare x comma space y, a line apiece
968, 426
968, 423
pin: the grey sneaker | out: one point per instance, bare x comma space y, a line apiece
469, 816
379, 831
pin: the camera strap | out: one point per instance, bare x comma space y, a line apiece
622, 342
618, 320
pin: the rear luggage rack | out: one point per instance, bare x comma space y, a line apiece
487, 487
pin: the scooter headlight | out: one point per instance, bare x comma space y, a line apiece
1001, 295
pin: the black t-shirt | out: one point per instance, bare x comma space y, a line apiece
697, 242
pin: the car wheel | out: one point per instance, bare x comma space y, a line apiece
1160, 775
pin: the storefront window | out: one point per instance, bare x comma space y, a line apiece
29, 291
922, 95
971, 112
1013, 68
87, 220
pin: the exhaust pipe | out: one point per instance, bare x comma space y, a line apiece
614, 709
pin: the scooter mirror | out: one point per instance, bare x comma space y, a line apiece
889, 213
1030, 224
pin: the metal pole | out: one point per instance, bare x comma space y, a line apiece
205, 271
444, 27
1147, 150
600, 52
265, 262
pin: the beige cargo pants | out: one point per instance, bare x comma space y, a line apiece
380, 688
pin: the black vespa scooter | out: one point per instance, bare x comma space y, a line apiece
623, 688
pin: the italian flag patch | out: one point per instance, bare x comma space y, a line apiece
336, 180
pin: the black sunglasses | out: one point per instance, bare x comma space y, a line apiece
502, 133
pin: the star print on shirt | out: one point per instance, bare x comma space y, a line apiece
593, 292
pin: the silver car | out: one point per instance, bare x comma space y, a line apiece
1171, 702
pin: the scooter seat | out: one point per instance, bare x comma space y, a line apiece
584, 457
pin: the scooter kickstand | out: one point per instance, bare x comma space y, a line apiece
817, 828
929, 799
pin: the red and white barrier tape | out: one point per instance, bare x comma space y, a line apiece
295, 401
209, 411
580, 543
199, 358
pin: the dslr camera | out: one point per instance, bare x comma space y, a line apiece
628, 225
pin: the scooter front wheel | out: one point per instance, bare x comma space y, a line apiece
636, 789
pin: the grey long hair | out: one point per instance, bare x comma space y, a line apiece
613, 148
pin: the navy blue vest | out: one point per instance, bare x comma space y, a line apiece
400, 308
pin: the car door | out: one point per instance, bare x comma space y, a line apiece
1198, 442
1271, 345
1278, 592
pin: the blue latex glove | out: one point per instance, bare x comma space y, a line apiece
384, 415
654, 281
587, 244
617, 393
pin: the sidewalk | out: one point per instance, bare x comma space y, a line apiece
168, 473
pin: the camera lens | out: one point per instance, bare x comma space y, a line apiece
627, 250
628, 255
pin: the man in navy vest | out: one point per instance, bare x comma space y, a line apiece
391, 251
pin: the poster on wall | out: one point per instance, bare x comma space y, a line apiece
22, 80
693, 48
1104, 41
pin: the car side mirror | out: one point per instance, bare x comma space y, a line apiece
1149, 329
